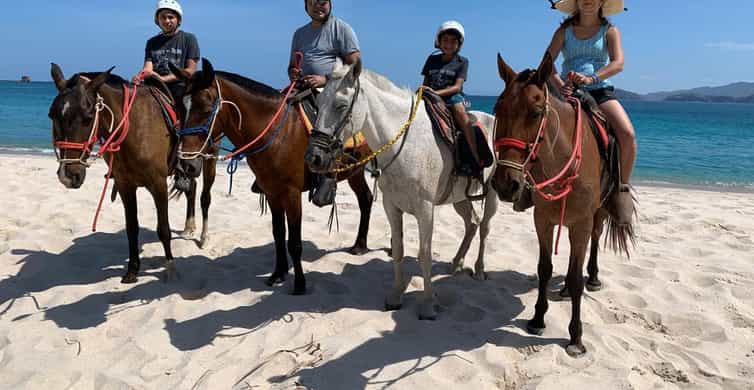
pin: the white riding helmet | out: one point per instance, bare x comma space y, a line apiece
450, 25
171, 5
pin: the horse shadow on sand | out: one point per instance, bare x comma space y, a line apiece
78, 265
90, 260
472, 315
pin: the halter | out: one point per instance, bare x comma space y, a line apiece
207, 129
561, 185
332, 143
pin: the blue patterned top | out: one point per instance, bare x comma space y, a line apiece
586, 56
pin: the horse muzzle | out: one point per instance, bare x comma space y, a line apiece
318, 159
512, 189
72, 176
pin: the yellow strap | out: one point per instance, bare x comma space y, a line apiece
383, 148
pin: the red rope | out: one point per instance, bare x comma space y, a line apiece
290, 87
112, 145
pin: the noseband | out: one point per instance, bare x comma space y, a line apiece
332, 144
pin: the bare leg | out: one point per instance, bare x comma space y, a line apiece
459, 111
624, 132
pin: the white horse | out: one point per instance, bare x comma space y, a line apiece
416, 170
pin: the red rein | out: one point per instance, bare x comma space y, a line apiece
111, 144
561, 184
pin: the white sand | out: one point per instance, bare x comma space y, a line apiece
679, 314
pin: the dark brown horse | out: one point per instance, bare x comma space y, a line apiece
542, 139
142, 161
277, 159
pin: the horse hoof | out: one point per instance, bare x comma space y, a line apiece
358, 250
576, 350
187, 233
203, 242
480, 276
275, 279
393, 306
594, 286
129, 278
535, 329
564, 293
427, 312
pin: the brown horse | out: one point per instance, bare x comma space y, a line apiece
142, 161
277, 159
538, 135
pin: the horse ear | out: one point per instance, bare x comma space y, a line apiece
208, 71
57, 76
94, 85
545, 70
506, 73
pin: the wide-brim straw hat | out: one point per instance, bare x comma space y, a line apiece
611, 7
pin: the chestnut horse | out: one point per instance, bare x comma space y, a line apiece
546, 151
222, 104
84, 111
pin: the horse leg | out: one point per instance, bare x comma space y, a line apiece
578, 235
490, 208
466, 211
425, 220
293, 215
160, 195
544, 271
394, 300
364, 195
190, 226
278, 233
209, 172
593, 283
128, 197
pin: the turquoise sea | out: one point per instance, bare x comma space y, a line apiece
679, 143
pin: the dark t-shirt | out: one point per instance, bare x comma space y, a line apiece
177, 49
441, 75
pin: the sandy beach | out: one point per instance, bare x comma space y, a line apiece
678, 314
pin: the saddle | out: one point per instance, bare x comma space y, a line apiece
606, 142
164, 97
445, 126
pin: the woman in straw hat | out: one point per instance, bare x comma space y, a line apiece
592, 53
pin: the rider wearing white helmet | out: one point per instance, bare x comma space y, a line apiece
445, 74
171, 46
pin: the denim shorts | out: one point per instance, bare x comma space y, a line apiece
602, 95
455, 99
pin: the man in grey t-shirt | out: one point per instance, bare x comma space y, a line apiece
322, 41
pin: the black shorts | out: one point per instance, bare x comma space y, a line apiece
602, 95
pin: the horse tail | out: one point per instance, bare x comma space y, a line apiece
619, 236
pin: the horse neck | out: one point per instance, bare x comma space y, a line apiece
387, 111
256, 112
558, 142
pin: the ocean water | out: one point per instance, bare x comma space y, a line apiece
679, 143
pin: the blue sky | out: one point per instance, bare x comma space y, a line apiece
669, 44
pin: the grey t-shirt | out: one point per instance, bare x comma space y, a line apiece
176, 49
322, 45
441, 75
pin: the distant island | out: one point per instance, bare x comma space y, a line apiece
25, 79
741, 92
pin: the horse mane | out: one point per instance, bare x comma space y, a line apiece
251, 86
375, 78
113, 80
